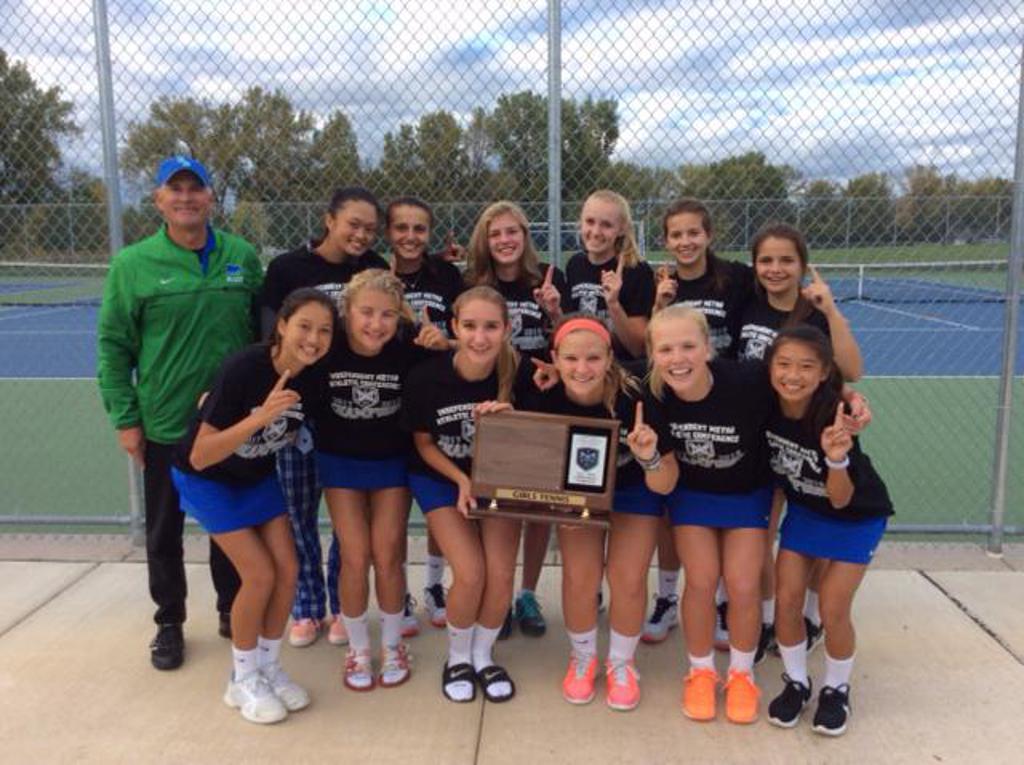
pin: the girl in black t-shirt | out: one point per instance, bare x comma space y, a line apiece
328, 263
711, 414
361, 461
608, 278
838, 509
442, 397
501, 255
225, 476
431, 284
592, 384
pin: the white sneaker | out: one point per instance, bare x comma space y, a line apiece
255, 698
292, 695
663, 618
434, 604
410, 624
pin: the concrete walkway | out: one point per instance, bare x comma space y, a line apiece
939, 678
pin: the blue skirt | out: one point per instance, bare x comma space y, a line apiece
687, 507
431, 493
822, 536
220, 507
338, 472
639, 500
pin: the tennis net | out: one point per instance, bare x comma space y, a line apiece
967, 281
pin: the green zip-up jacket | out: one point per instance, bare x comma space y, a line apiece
171, 325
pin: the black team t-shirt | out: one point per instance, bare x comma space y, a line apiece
583, 280
438, 401
531, 327
302, 267
719, 440
555, 401
760, 323
798, 463
242, 384
362, 412
434, 286
721, 306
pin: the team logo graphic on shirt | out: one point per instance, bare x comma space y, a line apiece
365, 396
756, 348
699, 445
588, 304
517, 324
272, 437
233, 273
587, 458
700, 449
788, 459
468, 429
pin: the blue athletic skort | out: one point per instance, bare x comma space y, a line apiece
221, 507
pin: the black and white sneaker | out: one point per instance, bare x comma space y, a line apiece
664, 617
833, 710
786, 708
721, 626
815, 634
765, 643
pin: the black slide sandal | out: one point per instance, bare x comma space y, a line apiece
488, 676
458, 673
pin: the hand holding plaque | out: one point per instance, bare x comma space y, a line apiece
544, 467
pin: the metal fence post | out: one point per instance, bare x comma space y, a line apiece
1000, 471
114, 218
555, 131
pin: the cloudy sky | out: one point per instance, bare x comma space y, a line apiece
834, 88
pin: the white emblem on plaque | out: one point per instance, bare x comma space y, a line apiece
587, 457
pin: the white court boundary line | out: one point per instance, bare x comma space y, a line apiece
912, 315
47, 331
11, 312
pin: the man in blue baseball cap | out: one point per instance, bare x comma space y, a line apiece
174, 305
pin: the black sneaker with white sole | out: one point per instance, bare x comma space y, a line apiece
833, 710
786, 708
765, 643
167, 651
815, 634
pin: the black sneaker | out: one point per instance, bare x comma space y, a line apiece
224, 625
765, 643
722, 626
167, 651
528, 614
833, 710
815, 634
785, 708
506, 626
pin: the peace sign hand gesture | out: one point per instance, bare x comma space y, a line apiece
836, 440
277, 402
548, 297
642, 439
611, 283
818, 293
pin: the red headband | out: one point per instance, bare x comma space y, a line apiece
584, 323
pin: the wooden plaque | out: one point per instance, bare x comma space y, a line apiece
545, 467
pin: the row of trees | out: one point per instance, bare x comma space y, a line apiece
274, 163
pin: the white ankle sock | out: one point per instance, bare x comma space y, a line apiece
390, 629
435, 570
483, 643
621, 648
270, 651
460, 645
358, 628
837, 671
668, 582
811, 607
794, 659
768, 611
702, 662
741, 661
245, 662
584, 644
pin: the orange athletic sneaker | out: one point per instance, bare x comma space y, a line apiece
741, 695
578, 683
699, 694
623, 688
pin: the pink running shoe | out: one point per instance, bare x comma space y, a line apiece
623, 685
578, 683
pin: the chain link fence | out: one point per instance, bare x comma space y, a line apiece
885, 131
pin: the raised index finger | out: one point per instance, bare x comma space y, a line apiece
839, 415
620, 266
639, 419
548, 274
279, 385
424, 316
815, 276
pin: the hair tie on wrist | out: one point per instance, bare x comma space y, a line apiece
840, 465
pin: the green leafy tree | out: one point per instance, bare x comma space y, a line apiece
870, 212
823, 214
32, 123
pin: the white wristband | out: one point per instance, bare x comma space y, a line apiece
840, 465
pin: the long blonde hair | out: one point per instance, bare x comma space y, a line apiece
508, 358
616, 379
480, 264
378, 280
676, 312
625, 245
